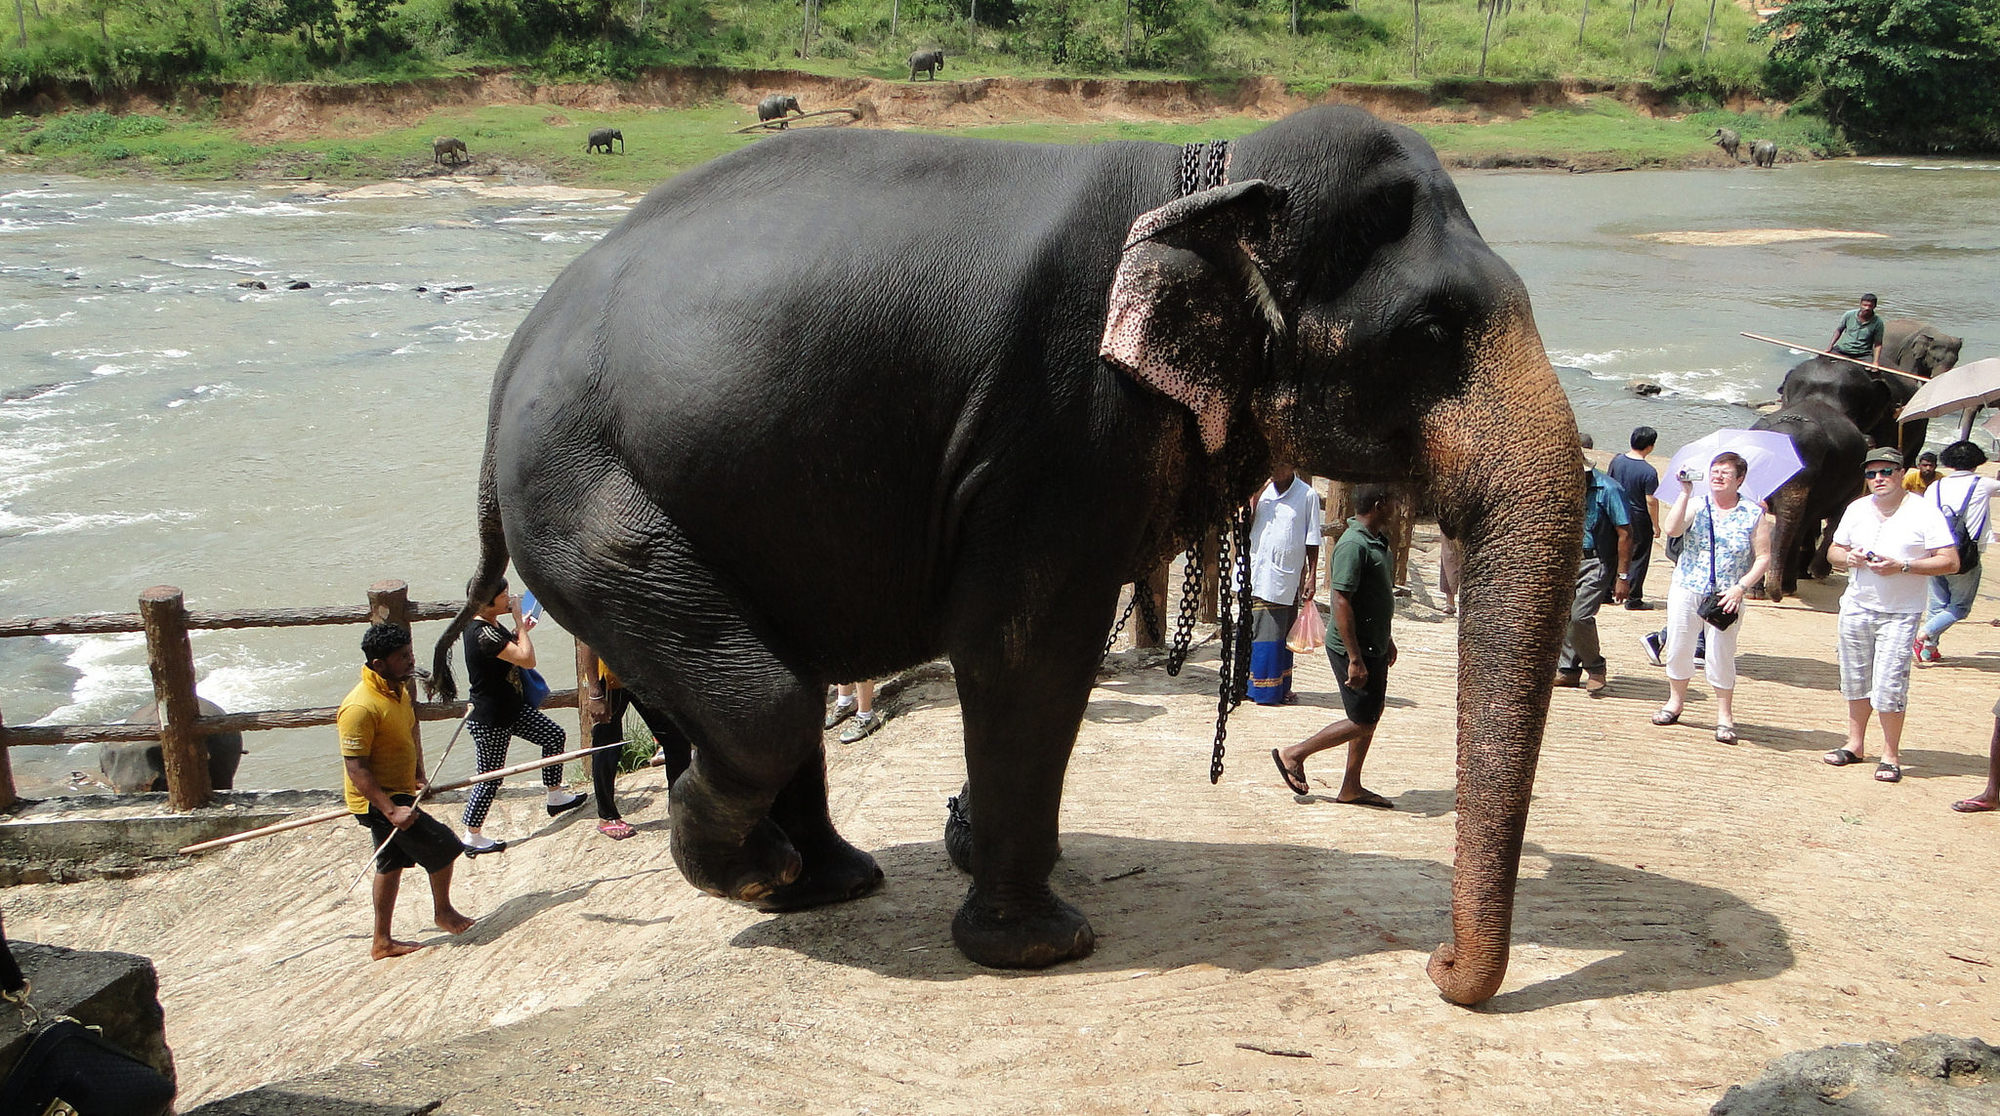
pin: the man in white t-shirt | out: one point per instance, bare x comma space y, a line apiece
1284, 557
1891, 542
1959, 494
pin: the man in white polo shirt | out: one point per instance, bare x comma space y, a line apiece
1892, 543
1284, 555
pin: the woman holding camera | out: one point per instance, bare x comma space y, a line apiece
1725, 546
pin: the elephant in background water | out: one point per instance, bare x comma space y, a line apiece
1763, 153
1154, 323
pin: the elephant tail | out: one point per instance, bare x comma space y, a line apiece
485, 580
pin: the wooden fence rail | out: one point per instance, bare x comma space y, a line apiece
166, 621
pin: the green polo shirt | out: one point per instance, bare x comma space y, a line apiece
1362, 569
1858, 338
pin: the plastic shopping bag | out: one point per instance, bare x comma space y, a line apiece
1308, 632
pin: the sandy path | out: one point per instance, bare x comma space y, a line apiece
1688, 911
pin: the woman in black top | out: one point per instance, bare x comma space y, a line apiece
495, 658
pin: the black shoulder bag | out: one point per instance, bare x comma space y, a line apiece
1709, 607
69, 1069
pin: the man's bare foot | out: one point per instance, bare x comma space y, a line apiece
392, 948
451, 922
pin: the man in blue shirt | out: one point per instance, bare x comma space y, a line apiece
1639, 480
1606, 531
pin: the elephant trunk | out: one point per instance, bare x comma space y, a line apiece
1505, 472
1788, 506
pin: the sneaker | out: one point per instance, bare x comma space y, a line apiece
557, 809
1656, 647
864, 725
843, 708
1638, 606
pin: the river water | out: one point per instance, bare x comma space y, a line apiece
160, 423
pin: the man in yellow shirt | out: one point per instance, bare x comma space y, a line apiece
385, 777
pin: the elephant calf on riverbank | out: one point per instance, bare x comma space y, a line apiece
449, 149
928, 61
602, 137
1048, 368
1763, 153
775, 106
1729, 142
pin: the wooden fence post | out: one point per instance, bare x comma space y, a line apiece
6, 776
586, 677
389, 603
1211, 579
171, 658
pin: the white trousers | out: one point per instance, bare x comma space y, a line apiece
1682, 624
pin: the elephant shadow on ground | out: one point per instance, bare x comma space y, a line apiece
1158, 905
1789, 670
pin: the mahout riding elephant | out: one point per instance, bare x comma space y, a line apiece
449, 149
602, 137
929, 61
132, 767
775, 106
1763, 153
1729, 142
1049, 366
1807, 508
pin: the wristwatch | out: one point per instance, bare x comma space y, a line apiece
1624, 577
1906, 565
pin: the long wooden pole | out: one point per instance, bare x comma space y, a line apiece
1836, 356
343, 812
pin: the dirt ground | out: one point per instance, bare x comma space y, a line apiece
1688, 911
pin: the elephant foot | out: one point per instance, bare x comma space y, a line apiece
1820, 570
958, 831
751, 872
832, 873
1756, 592
1028, 936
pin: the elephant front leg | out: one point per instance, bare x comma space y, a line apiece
1022, 706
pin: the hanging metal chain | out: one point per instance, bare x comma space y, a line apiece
1234, 669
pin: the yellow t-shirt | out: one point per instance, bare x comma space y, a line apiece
379, 722
1914, 481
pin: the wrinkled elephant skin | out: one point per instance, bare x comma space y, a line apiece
948, 398
1808, 507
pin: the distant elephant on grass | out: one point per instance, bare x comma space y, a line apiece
132, 767
1728, 141
929, 61
775, 106
449, 149
602, 137
1763, 153
1165, 321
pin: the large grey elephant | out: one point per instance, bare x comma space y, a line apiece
1047, 368
1921, 350
1807, 508
135, 766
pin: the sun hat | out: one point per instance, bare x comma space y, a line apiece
1890, 454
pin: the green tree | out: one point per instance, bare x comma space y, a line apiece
1898, 74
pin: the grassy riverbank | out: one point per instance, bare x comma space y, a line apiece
534, 142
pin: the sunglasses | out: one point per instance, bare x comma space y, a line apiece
1878, 474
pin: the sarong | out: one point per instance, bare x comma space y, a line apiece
1270, 659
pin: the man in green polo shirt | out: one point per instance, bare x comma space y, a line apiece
1362, 575
1860, 333
384, 776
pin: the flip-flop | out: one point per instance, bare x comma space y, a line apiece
1973, 806
1297, 782
617, 829
1725, 734
1839, 757
1367, 798
1667, 717
1886, 772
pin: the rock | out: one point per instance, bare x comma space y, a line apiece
421, 290
1644, 387
118, 992
456, 290
299, 285
1929, 1074
253, 284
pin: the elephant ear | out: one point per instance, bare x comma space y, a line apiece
1190, 309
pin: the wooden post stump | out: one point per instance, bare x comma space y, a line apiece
170, 657
7, 795
1211, 579
389, 603
1145, 634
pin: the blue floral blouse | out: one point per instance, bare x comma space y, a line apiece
1734, 550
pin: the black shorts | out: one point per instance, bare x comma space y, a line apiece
1364, 706
428, 841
